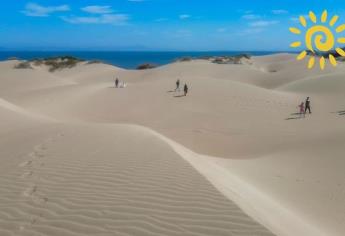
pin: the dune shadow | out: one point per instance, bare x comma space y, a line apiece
294, 114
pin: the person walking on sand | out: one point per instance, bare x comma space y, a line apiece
116, 83
307, 106
185, 89
301, 110
177, 85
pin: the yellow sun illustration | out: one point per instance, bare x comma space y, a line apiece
319, 34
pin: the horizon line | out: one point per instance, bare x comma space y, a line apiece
129, 50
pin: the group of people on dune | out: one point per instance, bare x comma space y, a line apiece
121, 84
304, 107
185, 87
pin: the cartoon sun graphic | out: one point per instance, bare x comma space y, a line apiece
320, 34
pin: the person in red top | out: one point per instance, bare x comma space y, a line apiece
301, 110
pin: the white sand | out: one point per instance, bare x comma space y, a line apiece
82, 158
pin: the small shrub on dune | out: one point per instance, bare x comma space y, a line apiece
53, 63
237, 60
94, 62
218, 60
231, 59
146, 66
38, 62
58, 63
184, 59
23, 65
246, 56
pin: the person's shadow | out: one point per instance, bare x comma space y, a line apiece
179, 96
295, 116
341, 113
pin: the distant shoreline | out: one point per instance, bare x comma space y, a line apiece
129, 59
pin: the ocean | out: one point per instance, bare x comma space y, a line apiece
125, 59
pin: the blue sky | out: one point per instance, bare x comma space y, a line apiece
155, 24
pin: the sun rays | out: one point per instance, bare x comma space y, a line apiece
319, 33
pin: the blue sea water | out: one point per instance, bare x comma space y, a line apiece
124, 59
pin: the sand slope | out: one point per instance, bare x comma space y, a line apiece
78, 163
85, 180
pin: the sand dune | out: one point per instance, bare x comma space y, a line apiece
229, 155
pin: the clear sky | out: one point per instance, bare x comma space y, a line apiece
155, 24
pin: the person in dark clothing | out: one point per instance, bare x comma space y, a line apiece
307, 106
185, 89
116, 83
177, 85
